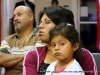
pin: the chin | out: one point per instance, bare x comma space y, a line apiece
43, 41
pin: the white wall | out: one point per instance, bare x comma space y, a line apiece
73, 6
44, 3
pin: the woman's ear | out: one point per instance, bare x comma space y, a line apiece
76, 46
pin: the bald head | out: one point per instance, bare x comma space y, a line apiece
24, 8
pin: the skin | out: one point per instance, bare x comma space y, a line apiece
45, 28
10, 60
63, 50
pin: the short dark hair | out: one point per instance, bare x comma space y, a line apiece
58, 14
54, 1
70, 33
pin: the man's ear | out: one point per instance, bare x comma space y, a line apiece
31, 17
76, 46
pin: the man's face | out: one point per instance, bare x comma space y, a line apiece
21, 18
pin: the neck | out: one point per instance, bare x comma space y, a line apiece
49, 56
25, 33
66, 62
62, 64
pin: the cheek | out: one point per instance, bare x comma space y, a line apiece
67, 50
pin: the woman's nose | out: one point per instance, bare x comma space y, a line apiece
40, 25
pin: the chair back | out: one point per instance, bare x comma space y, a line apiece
97, 59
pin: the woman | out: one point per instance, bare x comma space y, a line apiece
37, 61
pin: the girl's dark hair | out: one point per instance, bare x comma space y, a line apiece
70, 33
58, 14
54, 1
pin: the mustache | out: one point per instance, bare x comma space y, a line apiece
16, 21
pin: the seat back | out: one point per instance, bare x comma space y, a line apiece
97, 59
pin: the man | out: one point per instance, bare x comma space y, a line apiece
29, 4
19, 43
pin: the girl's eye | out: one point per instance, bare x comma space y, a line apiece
62, 44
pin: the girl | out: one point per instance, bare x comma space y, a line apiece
66, 49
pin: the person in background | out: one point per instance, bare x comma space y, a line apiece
54, 3
66, 50
37, 61
19, 43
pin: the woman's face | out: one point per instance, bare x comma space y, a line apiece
45, 26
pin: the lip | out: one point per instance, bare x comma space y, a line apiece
40, 32
15, 24
57, 53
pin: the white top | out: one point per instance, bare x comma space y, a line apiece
73, 69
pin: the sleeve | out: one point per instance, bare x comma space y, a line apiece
5, 47
88, 63
30, 63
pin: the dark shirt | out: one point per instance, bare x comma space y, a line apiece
43, 68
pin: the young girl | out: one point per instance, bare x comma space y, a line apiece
66, 49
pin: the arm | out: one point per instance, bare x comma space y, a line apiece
9, 60
30, 63
88, 63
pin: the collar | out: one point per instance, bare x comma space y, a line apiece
35, 32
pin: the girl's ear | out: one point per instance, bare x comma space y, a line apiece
76, 46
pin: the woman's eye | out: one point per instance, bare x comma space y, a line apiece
47, 22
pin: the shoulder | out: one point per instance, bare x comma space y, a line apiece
30, 54
76, 66
87, 55
8, 38
51, 66
85, 51
74, 69
36, 52
88, 62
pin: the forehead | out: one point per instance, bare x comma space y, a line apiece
58, 38
45, 17
19, 10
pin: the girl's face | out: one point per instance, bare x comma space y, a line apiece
45, 26
62, 48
